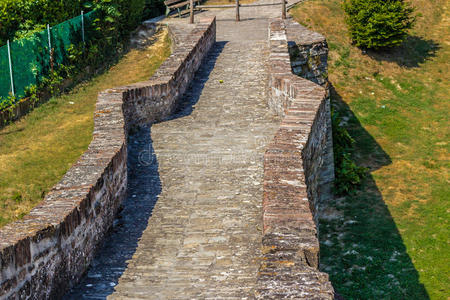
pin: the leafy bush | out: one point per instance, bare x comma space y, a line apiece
117, 18
347, 174
21, 15
7, 102
375, 24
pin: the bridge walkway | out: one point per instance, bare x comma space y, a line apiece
191, 226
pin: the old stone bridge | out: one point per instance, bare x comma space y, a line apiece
216, 167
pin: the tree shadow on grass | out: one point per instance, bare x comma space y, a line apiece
361, 246
414, 51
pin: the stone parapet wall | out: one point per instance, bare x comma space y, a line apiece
309, 53
293, 163
45, 254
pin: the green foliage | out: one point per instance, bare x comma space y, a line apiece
51, 84
28, 29
116, 19
153, 8
375, 24
31, 92
348, 174
7, 102
23, 15
107, 33
20, 18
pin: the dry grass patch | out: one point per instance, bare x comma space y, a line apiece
397, 103
36, 151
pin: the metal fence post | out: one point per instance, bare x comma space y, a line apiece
49, 41
82, 26
238, 17
10, 69
283, 9
50, 50
191, 11
49, 38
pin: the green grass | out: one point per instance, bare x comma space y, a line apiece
390, 240
36, 151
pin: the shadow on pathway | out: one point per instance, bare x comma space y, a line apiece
144, 187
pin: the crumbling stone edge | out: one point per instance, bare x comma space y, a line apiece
293, 163
45, 254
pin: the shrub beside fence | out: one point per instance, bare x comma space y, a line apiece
33, 57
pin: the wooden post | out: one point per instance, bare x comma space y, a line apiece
238, 18
283, 9
191, 11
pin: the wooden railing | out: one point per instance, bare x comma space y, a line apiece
237, 5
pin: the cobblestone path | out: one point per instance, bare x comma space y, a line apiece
199, 176
204, 236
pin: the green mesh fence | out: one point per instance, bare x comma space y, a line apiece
5, 83
31, 56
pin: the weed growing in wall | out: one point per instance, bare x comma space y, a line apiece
348, 174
